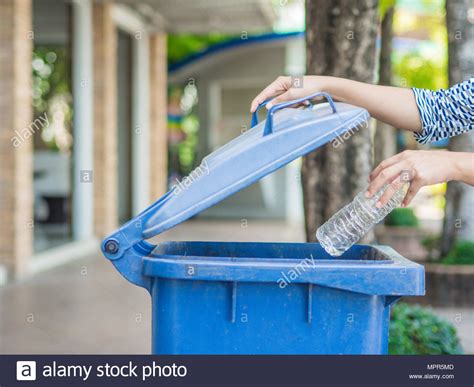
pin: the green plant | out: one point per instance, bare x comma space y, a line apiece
187, 149
402, 217
462, 253
51, 75
415, 330
51, 94
415, 70
432, 243
183, 45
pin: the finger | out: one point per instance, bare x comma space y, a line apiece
274, 88
415, 186
392, 188
286, 96
384, 164
385, 176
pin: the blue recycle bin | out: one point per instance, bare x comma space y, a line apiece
261, 298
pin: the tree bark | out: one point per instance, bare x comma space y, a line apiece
458, 220
340, 41
385, 140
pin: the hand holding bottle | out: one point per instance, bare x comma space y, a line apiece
420, 168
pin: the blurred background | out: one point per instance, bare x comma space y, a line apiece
105, 105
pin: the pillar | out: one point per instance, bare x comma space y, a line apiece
105, 120
16, 146
158, 115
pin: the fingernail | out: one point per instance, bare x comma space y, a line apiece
367, 194
379, 205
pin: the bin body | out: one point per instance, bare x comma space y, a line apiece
261, 298
273, 298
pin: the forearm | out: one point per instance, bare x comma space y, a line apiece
395, 106
463, 167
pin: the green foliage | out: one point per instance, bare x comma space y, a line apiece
50, 75
431, 241
187, 148
384, 6
52, 89
183, 45
413, 70
417, 331
461, 254
432, 245
425, 65
402, 217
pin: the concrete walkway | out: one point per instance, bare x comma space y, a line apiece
86, 306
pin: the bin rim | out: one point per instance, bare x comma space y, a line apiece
394, 276
268, 146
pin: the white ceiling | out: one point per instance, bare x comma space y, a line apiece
51, 18
204, 16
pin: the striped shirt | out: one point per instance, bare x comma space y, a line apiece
445, 113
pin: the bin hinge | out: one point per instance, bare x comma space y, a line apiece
126, 247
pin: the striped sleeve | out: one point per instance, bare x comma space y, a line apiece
445, 113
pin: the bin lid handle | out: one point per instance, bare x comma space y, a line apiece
269, 123
254, 120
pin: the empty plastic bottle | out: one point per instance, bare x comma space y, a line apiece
352, 222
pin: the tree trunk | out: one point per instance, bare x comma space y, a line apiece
458, 220
385, 140
340, 41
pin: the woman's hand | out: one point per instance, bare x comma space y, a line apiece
395, 106
419, 168
286, 91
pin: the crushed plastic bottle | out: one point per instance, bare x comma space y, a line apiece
355, 220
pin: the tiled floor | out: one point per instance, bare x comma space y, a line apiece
86, 307
82, 307
47, 236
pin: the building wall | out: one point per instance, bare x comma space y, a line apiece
16, 191
158, 116
16, 178
105, 120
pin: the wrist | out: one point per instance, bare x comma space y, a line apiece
334, 86
328, 85
321, 83
463, 164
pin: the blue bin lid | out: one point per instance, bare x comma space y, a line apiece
286, 134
